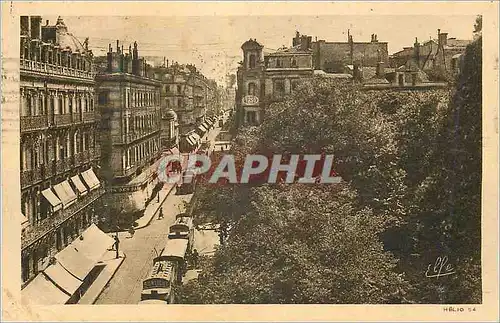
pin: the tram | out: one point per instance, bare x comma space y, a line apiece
183, 228
158, 285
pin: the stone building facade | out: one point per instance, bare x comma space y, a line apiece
331, 57
443, 53
129, 101
264, 78
59, 150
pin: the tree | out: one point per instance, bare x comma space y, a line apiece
301, 244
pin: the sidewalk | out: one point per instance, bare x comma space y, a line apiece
111, 267
153, 206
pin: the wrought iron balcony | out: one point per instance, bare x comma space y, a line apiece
31, 176
51, 223
89, 116
63, 119
29, 123
51, 69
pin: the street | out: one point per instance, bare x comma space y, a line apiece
126, 286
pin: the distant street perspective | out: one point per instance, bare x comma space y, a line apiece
251, 160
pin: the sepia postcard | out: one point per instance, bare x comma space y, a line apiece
250, 161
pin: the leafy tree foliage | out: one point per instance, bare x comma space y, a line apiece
411, 164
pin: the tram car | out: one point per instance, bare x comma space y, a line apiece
158, 285
175, 251
183, 228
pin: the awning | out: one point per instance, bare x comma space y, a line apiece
190, 140
84, 252
75, 262
65, 193
62, 278
196, 137
53, 199
41, 291
205, 126
23, 219
93, 243
91, 180
202, 129
79, 185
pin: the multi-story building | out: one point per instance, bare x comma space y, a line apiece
442, 53
263, 78
59, 149
177, 94
129, 101
332, 57
169, 136
190, 95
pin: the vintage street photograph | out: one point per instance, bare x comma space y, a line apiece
285, 159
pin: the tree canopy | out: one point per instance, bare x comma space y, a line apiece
411, 165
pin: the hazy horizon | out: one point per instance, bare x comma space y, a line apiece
213, 43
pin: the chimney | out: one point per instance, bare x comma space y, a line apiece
46, 22
416, 52
381, 70
110, 50
442, 38
118, 46
167, 62
373, 38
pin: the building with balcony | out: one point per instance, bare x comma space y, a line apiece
129, 101
189, 94
59, 151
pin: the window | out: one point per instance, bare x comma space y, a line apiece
279, 63
251, 88
179, 103
293, 62
252, 61
294, 84
179, 89
103, 97
279, 86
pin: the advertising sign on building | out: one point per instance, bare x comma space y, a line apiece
250, 100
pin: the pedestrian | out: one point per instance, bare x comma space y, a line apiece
132, 232
160, 215
195, 258
117, 244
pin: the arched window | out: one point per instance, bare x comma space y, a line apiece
251, 88
252, 61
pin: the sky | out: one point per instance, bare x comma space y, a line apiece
213, 43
